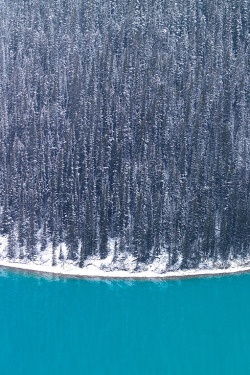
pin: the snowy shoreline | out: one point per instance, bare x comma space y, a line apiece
123, 267
85, 273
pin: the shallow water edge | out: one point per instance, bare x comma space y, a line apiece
123, 275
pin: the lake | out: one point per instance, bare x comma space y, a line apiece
195, 326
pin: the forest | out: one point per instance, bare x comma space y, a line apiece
125, 120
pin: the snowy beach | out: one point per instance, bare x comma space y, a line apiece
92, 272
112, 267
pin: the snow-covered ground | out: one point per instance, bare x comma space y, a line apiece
124, 266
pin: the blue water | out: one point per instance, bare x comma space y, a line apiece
198, 326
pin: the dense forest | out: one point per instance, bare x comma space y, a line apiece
125, 120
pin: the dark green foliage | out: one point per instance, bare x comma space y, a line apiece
54, 252
6, 218
11, 251
125, 120
61, 256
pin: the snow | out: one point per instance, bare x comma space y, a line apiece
124, 267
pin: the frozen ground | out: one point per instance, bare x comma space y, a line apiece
122, 267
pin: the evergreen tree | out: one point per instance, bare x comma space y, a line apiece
125, 120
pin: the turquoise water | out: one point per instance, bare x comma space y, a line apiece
198, 326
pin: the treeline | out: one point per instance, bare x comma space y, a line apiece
125, 119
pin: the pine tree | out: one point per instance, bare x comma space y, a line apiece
11, 247
122, 121
54, 262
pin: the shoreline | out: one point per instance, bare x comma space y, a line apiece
86, 274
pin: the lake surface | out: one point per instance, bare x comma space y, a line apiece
197, 326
